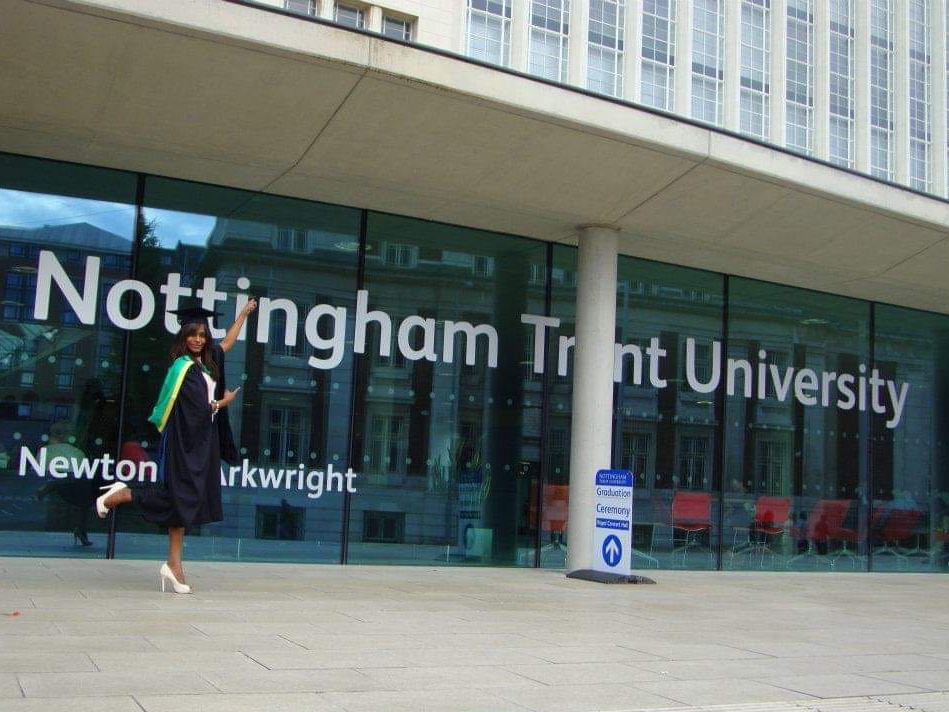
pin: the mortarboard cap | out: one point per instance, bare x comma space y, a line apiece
194, 315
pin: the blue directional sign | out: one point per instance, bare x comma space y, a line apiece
613, 518
612, 550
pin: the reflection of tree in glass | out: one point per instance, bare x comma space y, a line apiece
462, 456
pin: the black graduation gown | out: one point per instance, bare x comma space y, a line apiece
189, 462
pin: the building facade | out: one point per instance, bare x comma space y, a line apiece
861, 85
415, 222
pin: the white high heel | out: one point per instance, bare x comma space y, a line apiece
101, 509
166, 574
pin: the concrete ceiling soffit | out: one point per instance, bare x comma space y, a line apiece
534, 98
931, 297
356, 193
739, 215
167, 102
399, 136
767, 164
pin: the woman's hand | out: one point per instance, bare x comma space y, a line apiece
230, 338
229, 396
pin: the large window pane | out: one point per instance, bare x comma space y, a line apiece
449, 446
558, 376
291, 419
668, 322
60, 359
909, 524
795, 434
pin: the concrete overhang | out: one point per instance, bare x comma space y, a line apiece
214, 91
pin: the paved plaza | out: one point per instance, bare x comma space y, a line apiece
96, 635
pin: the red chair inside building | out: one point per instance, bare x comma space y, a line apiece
825, 524
770, 521
691, 518
554, 520
890, 528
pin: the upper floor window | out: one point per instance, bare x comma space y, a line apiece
489, 31
396, 28
295, 239
400, 255
658, 53
548, 38
882, 63
708, 61
920, 95
755, 68
841, 82
287, 429
799, 73
350, 16
301, 7
606, 46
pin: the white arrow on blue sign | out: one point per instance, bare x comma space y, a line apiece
612, 550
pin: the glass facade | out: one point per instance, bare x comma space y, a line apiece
406, 390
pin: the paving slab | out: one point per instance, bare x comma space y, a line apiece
936, 680
584, 673
722, 691
73, 643
581, 698
841, 685
289, 680
433, 678
252, 702
450, 700
102, 684
81, 704
46, 662
9, 686
181, 659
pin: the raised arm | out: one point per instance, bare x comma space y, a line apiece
231, 336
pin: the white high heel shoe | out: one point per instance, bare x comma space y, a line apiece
166, 574
101, 509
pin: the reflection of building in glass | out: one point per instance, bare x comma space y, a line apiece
47, 365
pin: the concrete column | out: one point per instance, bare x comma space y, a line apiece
374, 19
632, 84
861, 74
901, 92
779, 51
328, 10
520, 35
591, 429
577, 43
821, 141
732, 112
938, 21
683, 73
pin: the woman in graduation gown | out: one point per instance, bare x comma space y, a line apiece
191, 416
